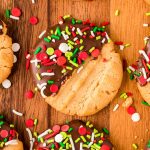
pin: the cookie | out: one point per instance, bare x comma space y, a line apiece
147, 1
9, 136
6, 53
75, 66
76, 135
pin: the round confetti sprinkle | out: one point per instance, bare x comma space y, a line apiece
4, 133
131, 110
29, 94
65, 128
58, 138
95, 53
15, 58
58, 53
16, 12
15, 47
33, 20
50, 51
63, 47
29, 123
6, 84
41, 56
83, 55
105, 147
135, 117
56, 128
61, 60
53, 88
82, 131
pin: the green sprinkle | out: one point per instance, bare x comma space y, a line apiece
131, 76
73, 21
5, 140
101, 29
55, 37
63, 71
7, 13
53, 146
135, 146
106, 131
95, 29
148, 65
50, 81
75, 51
95, 131
58, 31
47, 40
145, 103
137, 73
85, 145
67, 145
70, 129
74, 64
1, 116
67, 30
37, 50
1, 123
122, 95
79, 21
88, 136
62, 145
66, 140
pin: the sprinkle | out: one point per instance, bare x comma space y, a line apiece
6, 84
12, 142
116, 107
42, 92
42, 34
55, 37
7, 13
63, 47
15, 47
17, 113
29, 94
58, 138
144, 54
29, 133
1, 27
117, 12
35, 61
144, 73
40, 86
79, 31
67, 30
53, 88
33, 1
72, 144
135, 117
118, 43
135, 146
16, 12
13, 17
73, 63
38, 76
122, 47
148, 14
81, 146
47, 74
77, 140
65, 36
44, 133
47, 40
37, 50
105, 130
127, 45
91, 49
145, 103
131, 68
78, 71
145, 25
29, 123
31, 145
33, 20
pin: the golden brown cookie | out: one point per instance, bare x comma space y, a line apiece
147, 1
6, 53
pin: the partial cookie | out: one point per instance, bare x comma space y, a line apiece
6, 53
76, 67
147, 1
9, 136
76, 135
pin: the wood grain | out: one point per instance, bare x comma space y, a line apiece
127, 27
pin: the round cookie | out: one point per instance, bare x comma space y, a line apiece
147, 1
75, 66
8, 136
75, 135
6, 53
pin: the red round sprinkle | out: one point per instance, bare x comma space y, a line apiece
41, 56
95, 53
82, 130
53, 88
58, 53
16, 12
33, 20
56, 128
4, 133
83, 55
29, 94
61, 60
29, 123
65, 128
105, 147
131, 110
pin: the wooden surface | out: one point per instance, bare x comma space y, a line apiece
127, 27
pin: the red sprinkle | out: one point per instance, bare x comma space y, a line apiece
4, 133
142, 80
82, 130
53, 88
42, 56
95, 53
61, 60
27, 64
129, 94
83, 55
118, 43
65, 128
105, 147
105, 23
48, 136
56, 128
131, 110
29, 94
29, 123
58, 53
33, 20
16, 12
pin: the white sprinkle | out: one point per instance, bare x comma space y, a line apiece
31, 145
44, 144
60, 22
52, 57
28, 56
92, 137
40, 86
42, 33
145, 25
17, 113
131, 68
146, 38
79, 31
6, 84
144, 73
63, 47
81, 146
65, 36
15, 58
13, 17
90, 144
44, 133
78, 71
12, 142
53, 40
148, 80
1, 27
42, 92
107, 36
92, 33
144, 54
103, 40
72, 144
33, 1
121, 47
58, 138
54, 60
29, 133
135, 117
73, 29
76, 38
116, 107
15, 47
35, 61
47, 74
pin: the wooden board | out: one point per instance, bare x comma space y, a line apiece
127, 27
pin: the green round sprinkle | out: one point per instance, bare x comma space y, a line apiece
50, 51
105, 130
37, 50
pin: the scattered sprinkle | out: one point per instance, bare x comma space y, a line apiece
17, 113
6, 84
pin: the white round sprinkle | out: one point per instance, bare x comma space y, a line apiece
6, 84
58, 138
15, 59
15, 47
135, 117
63, 47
